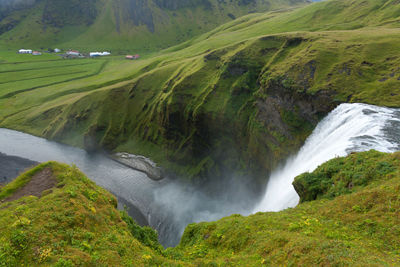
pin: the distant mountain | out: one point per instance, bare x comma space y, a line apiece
144, 25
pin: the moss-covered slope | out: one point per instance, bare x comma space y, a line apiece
359, 226
74, 223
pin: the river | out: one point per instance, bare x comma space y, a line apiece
166, 205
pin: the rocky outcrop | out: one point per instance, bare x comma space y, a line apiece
60, 13
139, 163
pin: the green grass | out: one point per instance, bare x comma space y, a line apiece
76, 223
360, 227
346, 174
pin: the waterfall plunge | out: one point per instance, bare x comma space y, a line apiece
348, 128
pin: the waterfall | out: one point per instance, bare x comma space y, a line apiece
348, 128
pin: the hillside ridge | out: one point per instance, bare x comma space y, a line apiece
120, 25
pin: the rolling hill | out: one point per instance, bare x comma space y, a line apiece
120, 25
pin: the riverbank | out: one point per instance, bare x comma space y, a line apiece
12, 166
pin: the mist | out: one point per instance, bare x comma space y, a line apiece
177, 204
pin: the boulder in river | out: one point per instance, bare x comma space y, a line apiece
139, 163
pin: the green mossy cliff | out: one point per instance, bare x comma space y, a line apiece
76, 223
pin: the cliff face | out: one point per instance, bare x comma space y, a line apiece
11, 7
216, 117
131, 24
231, 113
61, 13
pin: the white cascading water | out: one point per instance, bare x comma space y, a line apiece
348, 128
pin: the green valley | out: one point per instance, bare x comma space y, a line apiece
224, 93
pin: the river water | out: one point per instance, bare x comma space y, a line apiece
168, 206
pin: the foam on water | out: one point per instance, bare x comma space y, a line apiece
348, 128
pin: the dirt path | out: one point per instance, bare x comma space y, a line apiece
40, 182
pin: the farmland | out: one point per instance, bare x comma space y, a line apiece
42, 78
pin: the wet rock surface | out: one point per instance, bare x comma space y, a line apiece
139, 163
11, 167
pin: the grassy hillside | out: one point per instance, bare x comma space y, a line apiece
119, 25
230, 103
74, 222
356, 226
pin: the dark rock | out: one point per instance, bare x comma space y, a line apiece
11, 167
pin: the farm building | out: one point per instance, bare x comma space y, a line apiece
99, 54
130, 57
36, 53
25, 51
56, 50
73, 53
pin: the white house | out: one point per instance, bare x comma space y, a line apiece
95, 54
25, 51
56, 50
99, 54
73, 53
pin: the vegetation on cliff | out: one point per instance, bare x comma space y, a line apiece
354, 226
71, 223
75, 222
